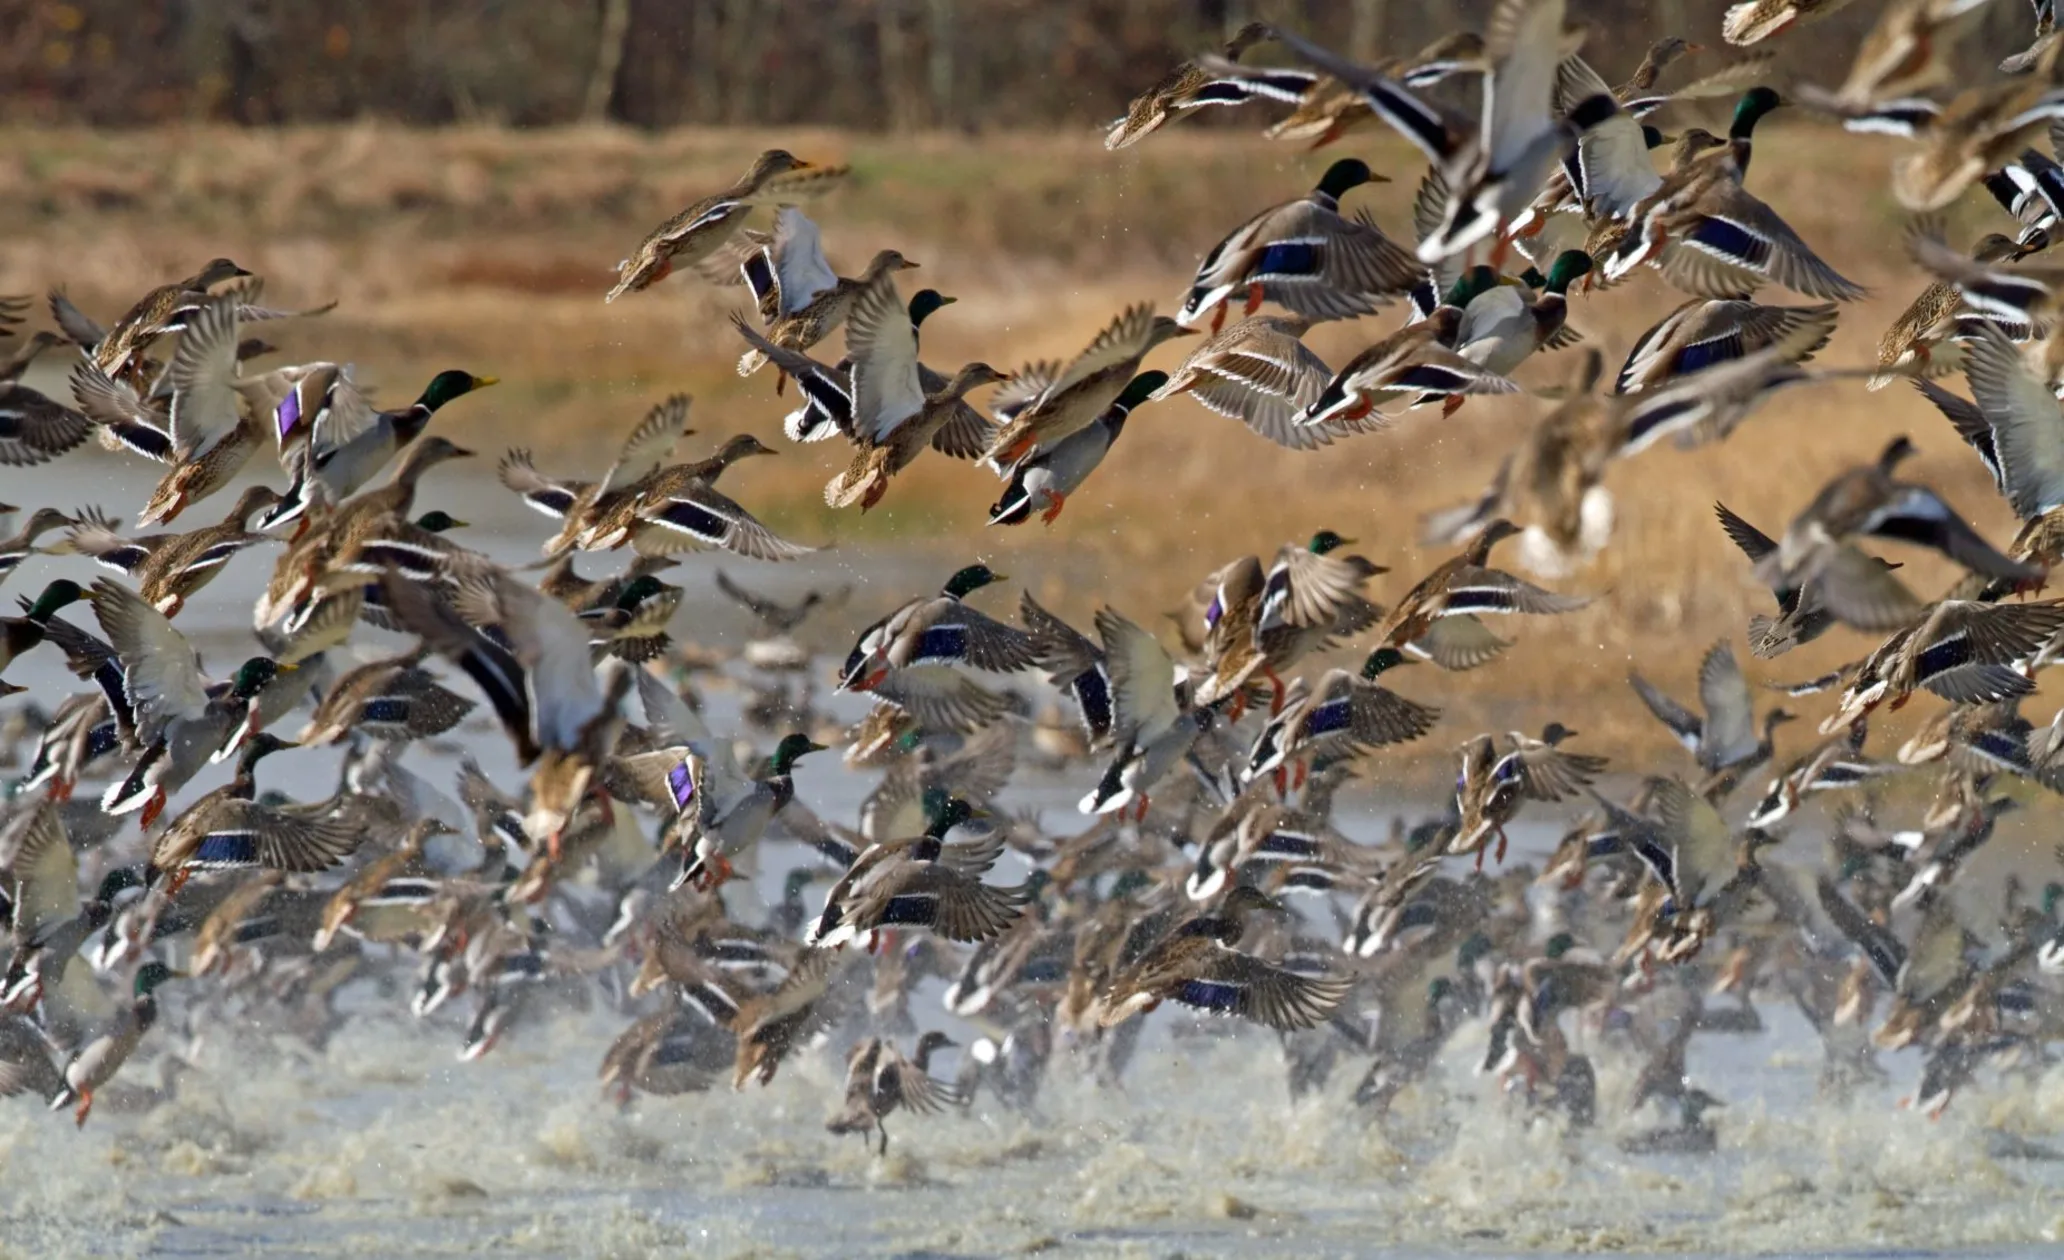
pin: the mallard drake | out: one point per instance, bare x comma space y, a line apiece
1190, 87
1464, 585
20, 634
1724, 738
1711, 237
1417, 361
1707, 332
1042, 481
1752, 21
1305, 256
1259, 373
879, 1080
1492, 787
170, 569
1491, 176
229, 830
828, 401
1200, 965
1866, 501
22, 544
542, 686
1503, 326
631, 623
907, 656
342, 443
394, 700
734, 810
1963, 651
581, 506
1311, 596
886, 407
802, 301
1154, 717
1343, 714
776, 176
1084, 389
95, 1063
1928, 337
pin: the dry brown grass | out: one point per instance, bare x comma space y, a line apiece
491, 250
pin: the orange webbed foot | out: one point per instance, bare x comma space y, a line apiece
1055, 502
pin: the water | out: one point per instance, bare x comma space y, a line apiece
382, 1143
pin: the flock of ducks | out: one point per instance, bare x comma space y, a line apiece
1213, 874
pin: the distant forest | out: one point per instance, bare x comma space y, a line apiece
873, 64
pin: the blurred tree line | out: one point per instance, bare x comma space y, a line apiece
878, 64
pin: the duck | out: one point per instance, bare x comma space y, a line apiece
168, 568
96, 1062
1199, 965
167, 308
631, 626
1980, 129
582, 506
1086, 387
542, 686
1183, 90
375, 881
675, 1050
1724, 738
2013, 409
1927, 338
1705, 333
1492, 175
1305, 256
1345, 713
1867, 501
776, 176
802, 301
1713, 238
1502, 327
1963, 651
22, 544
866, 480
1463, 585
879, 1081
392, 699
1492, 787
205, 436
768, 1026
299, 577
34, 428
1753, 21
908, 657
342, 444
1417, 361
680, 509
1042, 481
1258, 371
1155, 719
1075, 665
922, 883
227, 829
